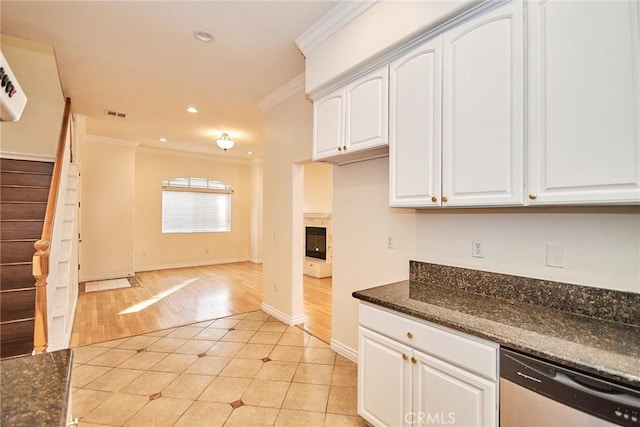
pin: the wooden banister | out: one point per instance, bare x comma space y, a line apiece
42, 246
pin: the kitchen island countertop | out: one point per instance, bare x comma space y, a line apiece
35, 389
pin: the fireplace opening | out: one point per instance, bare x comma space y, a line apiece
316, 242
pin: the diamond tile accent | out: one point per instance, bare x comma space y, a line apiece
237, 404
242, 370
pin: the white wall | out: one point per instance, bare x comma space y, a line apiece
381, 26
601, 245
287, 144
37, 132
362, 221
318, 187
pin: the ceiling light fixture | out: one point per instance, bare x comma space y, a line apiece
192, 109
224, 142
203, 36
249, 152
163, 139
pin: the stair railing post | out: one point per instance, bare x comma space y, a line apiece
41, 273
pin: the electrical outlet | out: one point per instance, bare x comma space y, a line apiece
389, 242
477, 251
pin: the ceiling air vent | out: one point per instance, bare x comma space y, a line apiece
115, 114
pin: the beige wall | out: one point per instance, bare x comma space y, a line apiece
36, 133
318, 187
107, 178
287, 143
155, 250
256, 212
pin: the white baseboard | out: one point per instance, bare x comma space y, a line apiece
72, 319
345, 351
256, 260
106, 276
25, 156
284, 318
189, 264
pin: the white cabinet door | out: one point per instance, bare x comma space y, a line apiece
384, 380
444, 394
367, 111
415, 127
584, 102
328, 125
482, 130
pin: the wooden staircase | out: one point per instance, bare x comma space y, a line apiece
24, 188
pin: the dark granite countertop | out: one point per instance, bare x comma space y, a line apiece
605, 348
35, 389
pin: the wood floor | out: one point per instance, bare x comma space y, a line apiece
176, 297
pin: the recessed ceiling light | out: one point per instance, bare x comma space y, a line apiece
163, 139
249, 152
203, 36
192, 109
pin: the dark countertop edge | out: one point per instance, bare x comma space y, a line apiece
623, 378
65, 411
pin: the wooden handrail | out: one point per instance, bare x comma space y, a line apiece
42, 246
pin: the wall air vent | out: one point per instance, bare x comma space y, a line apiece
12, 98
115, 114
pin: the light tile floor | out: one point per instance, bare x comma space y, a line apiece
243, 370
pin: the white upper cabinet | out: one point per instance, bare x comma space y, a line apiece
328, 125
351, 123
584, 102
483, 110
367, 107
415, 126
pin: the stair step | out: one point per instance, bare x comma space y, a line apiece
22, 210
16, 338
26, 166
16, 305
20, 229
17, 193
16, 277
17, 251
25, 178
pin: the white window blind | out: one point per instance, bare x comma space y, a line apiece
195, 205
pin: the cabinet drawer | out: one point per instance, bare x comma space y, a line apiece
454, 347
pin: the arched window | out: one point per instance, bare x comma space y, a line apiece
195, 205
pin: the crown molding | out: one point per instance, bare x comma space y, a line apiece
341, 15
162, 151
282, 93
109, 140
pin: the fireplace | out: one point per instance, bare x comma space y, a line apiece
316, 242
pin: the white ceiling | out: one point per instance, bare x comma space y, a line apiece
141, 58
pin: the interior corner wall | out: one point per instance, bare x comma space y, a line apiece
256, 212
155, 250
35, 135
362, 223
318, 187
287, 143
106, 211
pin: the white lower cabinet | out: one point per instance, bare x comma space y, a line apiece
412, 373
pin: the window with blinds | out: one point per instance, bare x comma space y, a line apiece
195, 205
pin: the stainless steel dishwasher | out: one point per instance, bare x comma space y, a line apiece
538, 393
